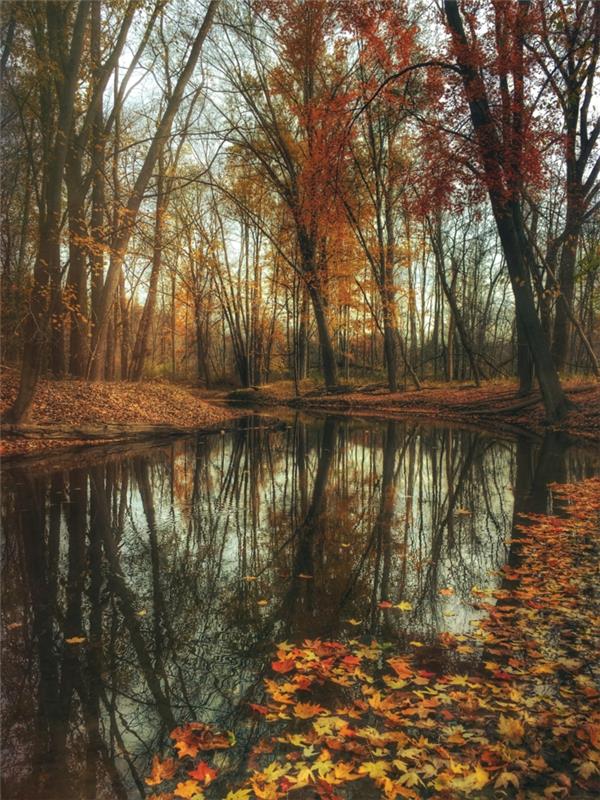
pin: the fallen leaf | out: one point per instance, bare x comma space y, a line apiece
511, 729
203, 772
188, 789
307, 710
161, 770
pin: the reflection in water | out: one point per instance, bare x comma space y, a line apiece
159, 558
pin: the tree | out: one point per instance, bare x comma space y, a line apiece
290, 126
58, 34
381, 167
130, 211
566, 49
500, 143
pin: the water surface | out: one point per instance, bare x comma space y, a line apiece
172, 569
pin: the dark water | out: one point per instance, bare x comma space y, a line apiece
159, 557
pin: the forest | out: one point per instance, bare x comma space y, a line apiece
300, 399
249, 192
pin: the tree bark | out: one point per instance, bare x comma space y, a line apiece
328, 361
76, 288
140, 347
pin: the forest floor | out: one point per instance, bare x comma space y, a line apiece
69, 413
494, 404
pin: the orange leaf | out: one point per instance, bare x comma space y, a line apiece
307, 710
161, 770
195, 736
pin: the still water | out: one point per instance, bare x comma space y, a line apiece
172, 569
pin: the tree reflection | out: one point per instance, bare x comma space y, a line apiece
159, 558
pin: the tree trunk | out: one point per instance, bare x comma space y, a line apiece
328, 362
140, 347
124, 328
97, 230
524, 361
57, 323
562, 324
201, 345
389, 349
76, 288
302, 333
501, 179
555, 401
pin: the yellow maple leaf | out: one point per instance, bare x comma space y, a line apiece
304, 776
511, 729
275, 770
325, 726
342, 772
374, 769
75, 640
409, 779
404, 605
188, 789
472, 782
268, 791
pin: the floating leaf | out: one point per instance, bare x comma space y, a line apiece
161, 770
188, 789
203, 772
307, 710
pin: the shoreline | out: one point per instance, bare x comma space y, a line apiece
154, 405
489, 407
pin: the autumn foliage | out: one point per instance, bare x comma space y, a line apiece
510, 710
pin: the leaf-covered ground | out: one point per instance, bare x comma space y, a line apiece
493, 403
78, 402
358, 720
496, 404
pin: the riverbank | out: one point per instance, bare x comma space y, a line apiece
68, 413
493, 405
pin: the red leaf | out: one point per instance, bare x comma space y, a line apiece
283, 666
203, 773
